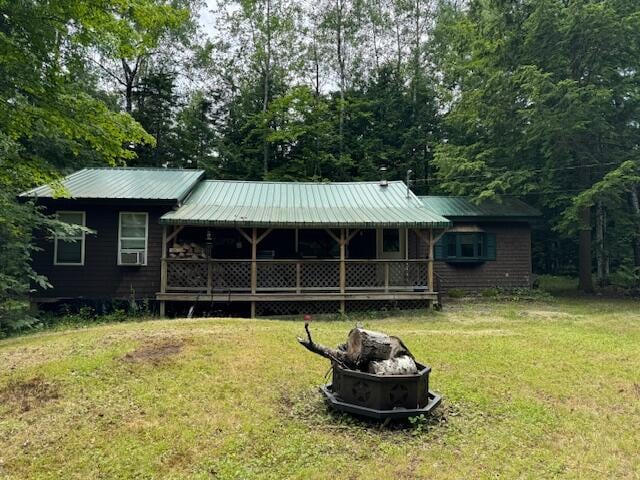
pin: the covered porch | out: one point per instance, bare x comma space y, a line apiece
217, 260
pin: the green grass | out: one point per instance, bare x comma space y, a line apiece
532, 390
558, 284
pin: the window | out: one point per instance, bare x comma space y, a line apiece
391, 240
132, 238
474, 247
69, 249
467, 243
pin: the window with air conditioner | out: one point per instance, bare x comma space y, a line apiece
133, 238
69, 249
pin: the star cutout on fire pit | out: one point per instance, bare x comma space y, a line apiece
398, 394
361, 391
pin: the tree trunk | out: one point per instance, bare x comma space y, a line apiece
398, 45
265, 102
364, 346
584, 254
635, 206
341, 68
416, 59
128, 97
600, 252
376, 54
130, 77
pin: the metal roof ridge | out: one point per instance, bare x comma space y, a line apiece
158, 169
276, 182
467, 197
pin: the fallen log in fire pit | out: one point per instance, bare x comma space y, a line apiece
375, 375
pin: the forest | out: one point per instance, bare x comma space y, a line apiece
537, 99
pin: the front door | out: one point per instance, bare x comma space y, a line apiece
392, 243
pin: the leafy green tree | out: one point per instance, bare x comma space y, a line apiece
545, 102
135, 35
156, 102
49, 116
195, 135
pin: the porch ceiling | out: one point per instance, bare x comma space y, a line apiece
303, 205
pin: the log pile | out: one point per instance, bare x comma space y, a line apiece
367, 351
187, 250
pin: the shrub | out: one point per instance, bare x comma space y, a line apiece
490, 292
455, 293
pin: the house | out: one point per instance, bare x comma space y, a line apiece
488, 244
168, 235
123, 206
274, 247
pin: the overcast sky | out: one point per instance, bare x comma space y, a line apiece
207, 19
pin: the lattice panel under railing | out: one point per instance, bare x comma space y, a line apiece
296, 308
408, 274
231, 276
322, 275
187, 275
276, 276
333, 307
384, 305
295, 275
362, 275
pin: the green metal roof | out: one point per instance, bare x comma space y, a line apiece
506, 208
303, 204
125, 183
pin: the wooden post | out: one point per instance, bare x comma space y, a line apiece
254, 268
386, 277
343, 271
209, 276
163, 269
430, 264
298, 275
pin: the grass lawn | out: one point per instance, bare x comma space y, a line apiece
532, 390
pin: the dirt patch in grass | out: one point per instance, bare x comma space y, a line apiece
25, 395
156, 351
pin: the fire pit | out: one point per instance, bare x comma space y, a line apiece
375, 375
381, 396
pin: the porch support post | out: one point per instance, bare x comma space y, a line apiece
430, 264
254, 268
343, 271
163, 270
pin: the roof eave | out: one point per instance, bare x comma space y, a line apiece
102, 200
267, 224
494, 218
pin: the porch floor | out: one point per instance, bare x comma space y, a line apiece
294, 297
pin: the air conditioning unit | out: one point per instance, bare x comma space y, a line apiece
132, 257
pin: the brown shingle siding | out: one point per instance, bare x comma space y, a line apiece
510, 269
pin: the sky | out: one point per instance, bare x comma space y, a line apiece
207, 18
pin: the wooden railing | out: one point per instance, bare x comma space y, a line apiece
297, 276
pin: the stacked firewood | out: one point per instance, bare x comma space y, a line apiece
367, 351
187, 250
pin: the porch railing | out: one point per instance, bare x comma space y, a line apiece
294, 276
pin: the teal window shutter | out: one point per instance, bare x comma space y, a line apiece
438, 249
491, 246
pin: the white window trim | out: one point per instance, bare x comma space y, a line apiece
78, 238
146, 239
